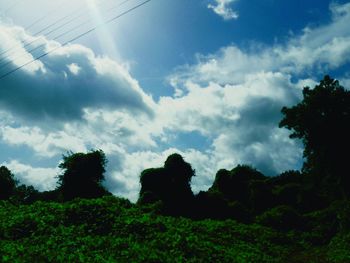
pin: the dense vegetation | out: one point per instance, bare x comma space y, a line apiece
245, 216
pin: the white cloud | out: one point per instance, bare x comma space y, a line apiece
126, 180
241, 119
232, 98
42, 179
45, 144
235, 95
74, 68
65, 82
317, 49
223, 9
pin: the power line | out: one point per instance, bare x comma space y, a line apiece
39, 32
52, 11
87, 21
81, 13
12, 6
76, 38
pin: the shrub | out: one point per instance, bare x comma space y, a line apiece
282, 218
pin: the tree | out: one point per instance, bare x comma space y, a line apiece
83, 175
169, 184
7, 183
321, 120
234, 185
26, 194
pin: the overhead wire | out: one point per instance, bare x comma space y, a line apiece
12, 6
77, 13
75, 38
39, 32
42, 18
85, 22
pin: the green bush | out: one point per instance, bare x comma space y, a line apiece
339, 248
282, 218
110, 229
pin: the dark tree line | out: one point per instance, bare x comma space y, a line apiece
321, 120
82, 177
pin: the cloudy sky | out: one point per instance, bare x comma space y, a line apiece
203, 78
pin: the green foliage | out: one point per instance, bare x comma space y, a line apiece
234, 184
260, 197
25, 194
7, 183
113, 230
213, 205
339, 248
83, 175
288, 194
322, 120
169, 184
322, 225
282, 218
286, 177
299, 217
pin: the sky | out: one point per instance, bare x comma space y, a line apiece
203, 78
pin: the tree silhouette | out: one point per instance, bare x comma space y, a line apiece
83, 175
169, 184
234, 185
236, 194
322, 120
7, 183
26, 194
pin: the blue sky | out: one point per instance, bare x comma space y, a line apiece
206, 79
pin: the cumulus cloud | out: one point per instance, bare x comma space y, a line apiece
65, 82
317, 49
126, 180
232, 98
223, 9
235, 95
44, 144
41, 178
241, 119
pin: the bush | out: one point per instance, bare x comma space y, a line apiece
288, 194
339, 248
213, 205
261, 197
281, 218
324, 224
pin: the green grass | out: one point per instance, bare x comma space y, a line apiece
111, 229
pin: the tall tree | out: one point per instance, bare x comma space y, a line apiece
83, 175
322, 121
169, 184
7, 183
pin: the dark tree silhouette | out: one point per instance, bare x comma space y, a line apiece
234, 184
7, 183
215, 206
260, 196
321, 120
169, 184
83, 175
26, 194
238, 194
290, 176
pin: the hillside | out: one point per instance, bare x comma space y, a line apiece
111, 229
